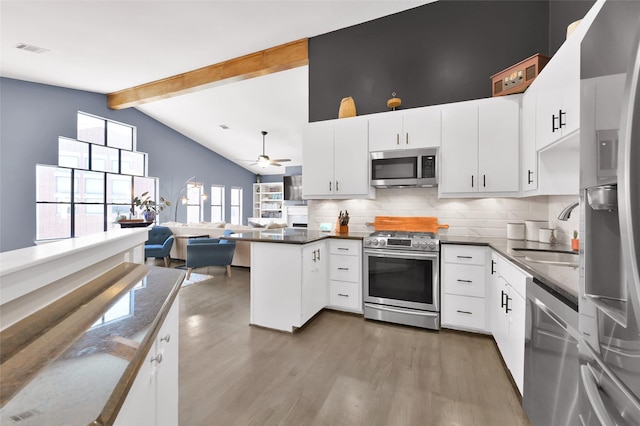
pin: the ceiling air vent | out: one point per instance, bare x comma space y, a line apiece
31, 48
24, 415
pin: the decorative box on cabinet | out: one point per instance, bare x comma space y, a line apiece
463, 287
406, 129
335, 160
345, 275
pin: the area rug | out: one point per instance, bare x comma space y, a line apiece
196, 278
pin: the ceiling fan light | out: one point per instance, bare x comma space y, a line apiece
263, 162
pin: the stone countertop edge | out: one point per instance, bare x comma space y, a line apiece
120, 392
311, 237
544, 279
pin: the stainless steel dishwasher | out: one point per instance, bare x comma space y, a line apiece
551, 359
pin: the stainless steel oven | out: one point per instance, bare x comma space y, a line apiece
401, 279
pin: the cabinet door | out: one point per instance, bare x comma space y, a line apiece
529, 170
315, 258
167, 375
570, 95
421, 128
317, 159
139, 408
516, 337
459, 171
351, 155
548, 103
500, 318
385, 131
498, 143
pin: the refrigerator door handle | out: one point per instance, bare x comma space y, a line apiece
629, 171
593, 395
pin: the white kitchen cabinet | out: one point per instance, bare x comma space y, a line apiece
406, 129
480, 146
345, 275
335, 157
288, 283
314, 280
529, 157
153, 397
463, 278
558, 95
508, 314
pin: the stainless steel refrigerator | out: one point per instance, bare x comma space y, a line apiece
609, 303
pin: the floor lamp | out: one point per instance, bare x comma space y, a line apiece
185, 199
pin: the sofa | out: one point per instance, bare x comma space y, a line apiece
242, 255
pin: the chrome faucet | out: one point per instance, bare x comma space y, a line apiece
566, 213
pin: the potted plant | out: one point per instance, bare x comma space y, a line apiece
575, 242
149, 207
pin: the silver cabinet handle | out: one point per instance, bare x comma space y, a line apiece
464, 312
337, 188
318, 255
314, 256
329, 186
464, 281
464, 257
407, 139
157, 358
343, 269
343, 248
397, 138
343, 295
166, 338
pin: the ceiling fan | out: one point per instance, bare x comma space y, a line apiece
264, 160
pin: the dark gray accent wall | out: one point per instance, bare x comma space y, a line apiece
561, 14
35, 115
434, 54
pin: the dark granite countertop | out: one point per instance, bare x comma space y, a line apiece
562, 281
293, 236
88, 379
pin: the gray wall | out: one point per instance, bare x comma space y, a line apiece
34, 115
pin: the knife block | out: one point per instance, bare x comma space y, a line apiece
342, 229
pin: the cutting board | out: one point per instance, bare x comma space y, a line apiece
407, 223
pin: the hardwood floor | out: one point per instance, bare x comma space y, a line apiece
338, 370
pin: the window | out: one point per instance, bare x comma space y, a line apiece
95, 180
217, 203
194, 206
236, 206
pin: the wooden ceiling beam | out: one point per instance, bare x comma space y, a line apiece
268, 61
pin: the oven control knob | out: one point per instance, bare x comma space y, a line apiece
367, 242
382, 242
374, 242
415, 244
432, 245
423, 245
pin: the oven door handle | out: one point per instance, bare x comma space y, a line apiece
403, 311
402, 255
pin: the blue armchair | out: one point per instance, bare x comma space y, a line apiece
159, 244
210, 252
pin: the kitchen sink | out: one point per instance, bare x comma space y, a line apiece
551, 257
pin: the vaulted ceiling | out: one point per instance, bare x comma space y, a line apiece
108, 46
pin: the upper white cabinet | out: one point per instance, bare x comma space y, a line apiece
529, 157
335, 158
558, 95
480, 144
407, 129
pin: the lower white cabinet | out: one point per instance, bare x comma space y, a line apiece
288, 283
345, 275
463, 278
153, 397
508, 310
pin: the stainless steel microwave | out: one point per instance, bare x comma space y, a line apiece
405, 168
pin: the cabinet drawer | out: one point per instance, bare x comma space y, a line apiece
464, 254
463, 311
344, 295
464, 280
348, 247
344, 268
513, 275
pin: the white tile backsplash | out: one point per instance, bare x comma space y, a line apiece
487, 217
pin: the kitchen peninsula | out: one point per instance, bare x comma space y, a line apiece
295, 273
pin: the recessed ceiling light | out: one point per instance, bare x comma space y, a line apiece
224, 127
31, 48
